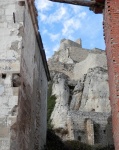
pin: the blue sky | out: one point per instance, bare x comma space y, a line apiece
58, 21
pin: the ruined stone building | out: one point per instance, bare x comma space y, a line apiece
110, 10
24, 73
80, 84
23, 78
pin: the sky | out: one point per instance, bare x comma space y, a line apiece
58, 21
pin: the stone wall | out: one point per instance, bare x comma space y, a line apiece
99, 129
71, 57
82, 99
111, 30
11, 22
32, 121
22, 66
90, 131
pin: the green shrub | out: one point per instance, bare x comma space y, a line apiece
72, 145
50, 104
54, 142
77, 145
109, 147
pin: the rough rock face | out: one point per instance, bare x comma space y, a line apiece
80, 84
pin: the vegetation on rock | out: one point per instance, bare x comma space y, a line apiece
50, 104
55, 143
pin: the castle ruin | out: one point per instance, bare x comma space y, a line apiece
110, 11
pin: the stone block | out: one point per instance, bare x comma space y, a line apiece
4, 144
2, 19
15, 91
2, 90
9, 10
11, 120
3, 121
2, 11
4, 132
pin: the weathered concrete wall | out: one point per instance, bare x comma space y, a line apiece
33, 92
111, 29
10, 52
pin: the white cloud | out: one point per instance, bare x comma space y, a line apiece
48, 52
43, 5
43, 17
44, 31
54, 37
76, 9
56, 47
70, 26
82, 15
73, 24
59, 21
58, 15
92, 28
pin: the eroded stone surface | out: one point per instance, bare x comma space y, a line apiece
82, 106
10, 50
21, 65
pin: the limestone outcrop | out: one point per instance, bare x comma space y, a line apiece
80, 84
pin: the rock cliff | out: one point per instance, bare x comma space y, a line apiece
80, 84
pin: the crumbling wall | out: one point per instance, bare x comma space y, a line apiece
22, 64
90, 131
96, 131
111, 30
84, 97
32, 110
10, 53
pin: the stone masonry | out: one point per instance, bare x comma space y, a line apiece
22, 66
110, 9
90, 131
10, 53
32, 121
80, 84
111, 31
